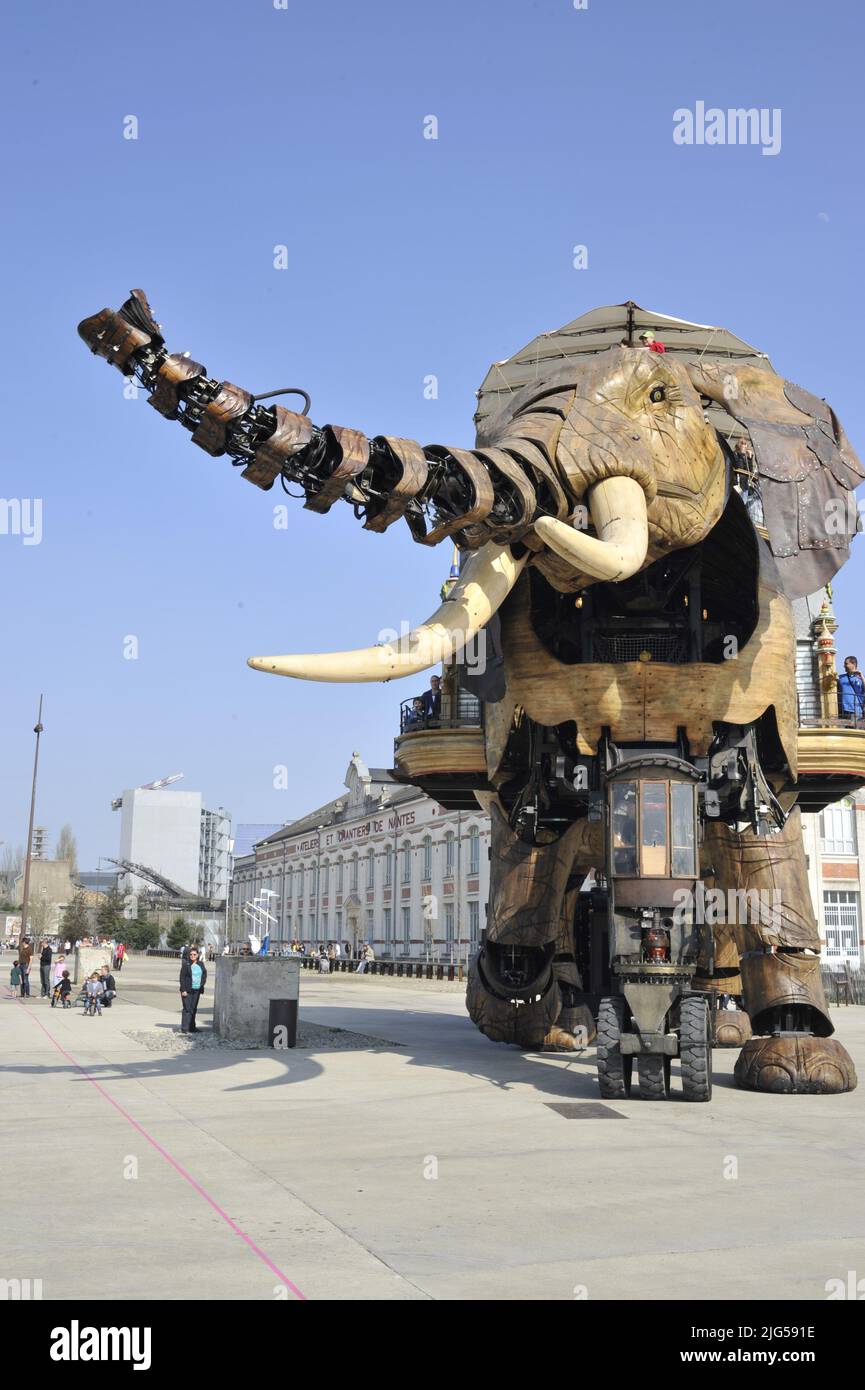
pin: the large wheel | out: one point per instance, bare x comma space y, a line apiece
695, 1048
654, 1075
614, 1070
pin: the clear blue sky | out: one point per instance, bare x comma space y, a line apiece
407, 256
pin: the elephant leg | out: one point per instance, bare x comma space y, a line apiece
523, 985
779, 948
731, 1026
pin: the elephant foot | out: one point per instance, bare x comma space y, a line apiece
579, 1020
730, 1028
523, 1023
795, 1064
560, 1040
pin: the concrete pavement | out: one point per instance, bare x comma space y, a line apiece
434, 1169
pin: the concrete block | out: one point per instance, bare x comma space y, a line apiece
88, 959
245, 986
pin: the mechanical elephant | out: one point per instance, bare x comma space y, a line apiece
631, 579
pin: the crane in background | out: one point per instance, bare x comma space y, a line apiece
159, 785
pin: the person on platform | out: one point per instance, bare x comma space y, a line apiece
851, 691
193, 977
432, 701
648, 340
415, 717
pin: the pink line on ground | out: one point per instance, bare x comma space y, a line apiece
178, 1168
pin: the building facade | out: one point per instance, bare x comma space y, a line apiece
214, 859
383, 864
387, 865
172, 833
836, 876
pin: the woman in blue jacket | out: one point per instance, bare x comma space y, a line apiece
193, 976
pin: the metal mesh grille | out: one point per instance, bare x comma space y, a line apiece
627, 646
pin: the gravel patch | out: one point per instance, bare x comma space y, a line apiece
314, 1036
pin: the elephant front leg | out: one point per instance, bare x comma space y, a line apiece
792, 1049
523, 985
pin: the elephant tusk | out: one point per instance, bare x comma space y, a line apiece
618, 510
485, 582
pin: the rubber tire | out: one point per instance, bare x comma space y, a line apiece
653, 1076
695, 1048
614, 1070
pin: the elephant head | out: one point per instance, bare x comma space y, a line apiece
591, 472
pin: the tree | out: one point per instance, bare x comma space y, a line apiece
139, 935
10, 868
67, 848
109, 914
75, 921
178, 934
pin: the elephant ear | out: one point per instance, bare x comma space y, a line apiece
807, 469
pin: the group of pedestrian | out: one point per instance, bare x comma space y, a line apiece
55, 978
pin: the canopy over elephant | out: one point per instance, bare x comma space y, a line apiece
634, 607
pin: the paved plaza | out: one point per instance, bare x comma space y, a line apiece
420, 1161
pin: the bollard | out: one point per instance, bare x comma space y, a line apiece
282, 1023
450, 972
440, 974
399, 969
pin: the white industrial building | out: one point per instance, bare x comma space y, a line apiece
171, 832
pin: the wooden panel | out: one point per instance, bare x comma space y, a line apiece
412, 462
832, 750
228, 405
293, 432
438, 751
481, 486
643, 701
354, 457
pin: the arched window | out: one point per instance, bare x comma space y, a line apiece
449, 852
325, 876
354, 870
474, 850
427, 858
370, 868
406, 861
388, 866
339, 873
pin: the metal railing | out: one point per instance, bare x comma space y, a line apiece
468, 716
417, 970
811, 715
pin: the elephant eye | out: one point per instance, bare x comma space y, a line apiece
657, 393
